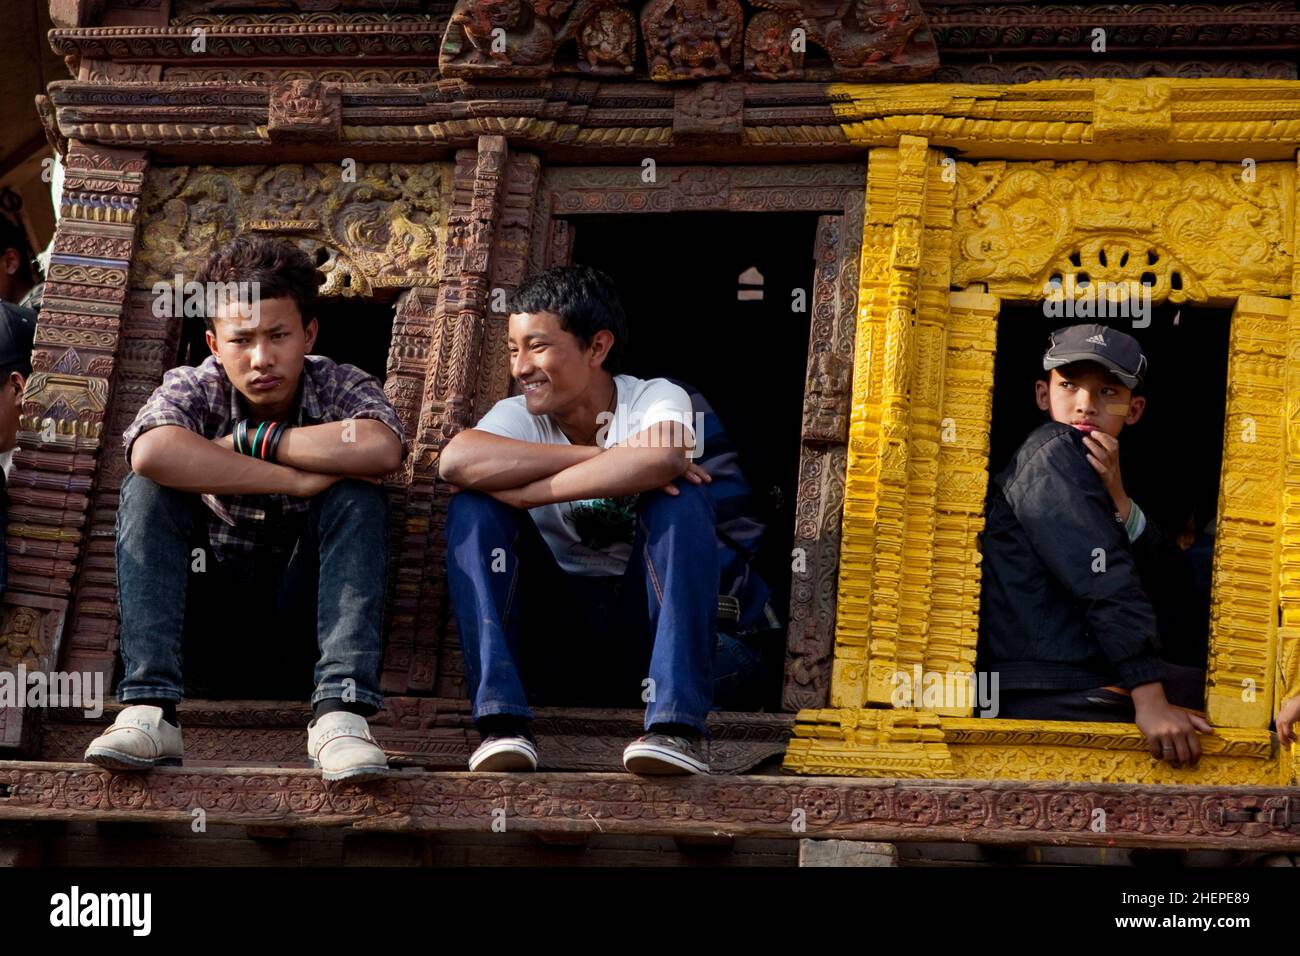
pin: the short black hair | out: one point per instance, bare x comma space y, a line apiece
586, 302
278, 266
14, 236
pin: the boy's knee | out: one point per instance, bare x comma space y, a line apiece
141, 496
356, 495
691, 499
473, 507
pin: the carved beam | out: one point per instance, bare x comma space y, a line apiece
1077, 119
1246, 818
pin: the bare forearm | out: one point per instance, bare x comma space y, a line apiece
352, 447
177, 458
487, 462
617, 472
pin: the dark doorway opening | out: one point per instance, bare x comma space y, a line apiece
711, 300
1171, 458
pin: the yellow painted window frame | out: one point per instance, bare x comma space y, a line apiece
975, 196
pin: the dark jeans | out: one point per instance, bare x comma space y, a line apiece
1184, 686
250, 616
648, 635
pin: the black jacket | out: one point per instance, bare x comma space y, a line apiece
1050, 617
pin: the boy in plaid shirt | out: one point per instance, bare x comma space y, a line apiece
259, 470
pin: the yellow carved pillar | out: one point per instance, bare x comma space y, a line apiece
888, 525
1243, 619
1287, 679
967, 412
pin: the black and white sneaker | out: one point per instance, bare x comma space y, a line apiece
505, 752
659, 754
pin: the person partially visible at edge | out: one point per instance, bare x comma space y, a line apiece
18, 276
18, 287
1069, 559
17, 332
588, 557
268, 459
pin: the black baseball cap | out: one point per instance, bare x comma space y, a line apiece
17, 332
1116, 350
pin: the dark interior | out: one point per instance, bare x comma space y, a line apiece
678, 277
1171, 458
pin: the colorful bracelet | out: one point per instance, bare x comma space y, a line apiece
273, 446
263, 443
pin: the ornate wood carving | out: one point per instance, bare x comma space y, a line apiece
1250, 818
1016, 29
1020, 224
146, 349
822, 461
304, 110
62, 422
381, 224
962, 482
905, 743
31, 638
709, 114
692, 39
1074, 68
1244, 619
682, 39
448, 398
686, 39
1093, 119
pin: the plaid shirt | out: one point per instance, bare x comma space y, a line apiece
202, 399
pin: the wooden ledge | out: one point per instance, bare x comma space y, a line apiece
1251, 818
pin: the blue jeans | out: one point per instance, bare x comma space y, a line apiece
647, 635
332, 584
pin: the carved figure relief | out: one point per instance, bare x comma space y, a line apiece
691, 39
508, 37
380, 222
607, 42
23, 637
1189, 230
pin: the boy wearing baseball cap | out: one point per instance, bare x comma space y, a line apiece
1065, 618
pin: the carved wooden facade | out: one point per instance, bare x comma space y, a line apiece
437, 162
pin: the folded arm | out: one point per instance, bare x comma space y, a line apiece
361, 447
487, 462
650, 459
176, 457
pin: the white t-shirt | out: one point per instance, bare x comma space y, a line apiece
593, 536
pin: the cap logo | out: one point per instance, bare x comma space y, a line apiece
1097, 339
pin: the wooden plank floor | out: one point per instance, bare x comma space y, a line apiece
713, 807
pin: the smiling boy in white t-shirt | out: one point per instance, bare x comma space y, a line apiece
583, 514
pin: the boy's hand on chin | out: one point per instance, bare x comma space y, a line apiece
1172, 732
1103, 455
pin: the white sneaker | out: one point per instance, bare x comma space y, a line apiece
341, 746
139, 739
500, 754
